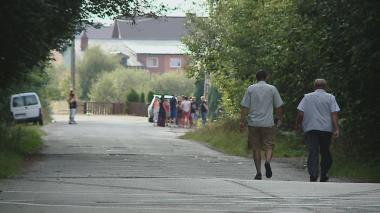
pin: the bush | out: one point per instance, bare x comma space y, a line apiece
142, 97
150, 96
114, 86
133, 96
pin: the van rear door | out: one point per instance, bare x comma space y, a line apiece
32, 106
18, 107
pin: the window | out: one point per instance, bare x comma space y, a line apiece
152, 62
18, 102
124, 61
30, 100
175, 62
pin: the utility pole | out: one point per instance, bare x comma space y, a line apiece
73, 64
207, 83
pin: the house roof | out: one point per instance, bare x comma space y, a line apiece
110, 46
155, 46
104, 32
163, 28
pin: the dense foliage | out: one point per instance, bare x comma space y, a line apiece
296, 41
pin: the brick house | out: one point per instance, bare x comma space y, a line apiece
152, 44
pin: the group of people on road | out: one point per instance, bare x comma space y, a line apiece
317, 117
179, 111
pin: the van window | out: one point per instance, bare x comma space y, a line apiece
18, 102
30, 100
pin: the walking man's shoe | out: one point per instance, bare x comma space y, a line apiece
324, 178
313, 179
258, 176
268, 170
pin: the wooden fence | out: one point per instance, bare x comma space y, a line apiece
101, 108
138, 109
104, 108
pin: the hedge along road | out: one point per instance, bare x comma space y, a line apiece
124, 164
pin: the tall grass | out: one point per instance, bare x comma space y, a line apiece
17, 142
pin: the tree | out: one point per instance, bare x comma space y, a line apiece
58, 83
172, 83
94, 63
237, 39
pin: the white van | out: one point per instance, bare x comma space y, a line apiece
150, 107
26, 107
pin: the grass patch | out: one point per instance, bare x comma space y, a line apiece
9, 163
346, 164
225, 137
16, 143
366, 172
289, 144
233, 143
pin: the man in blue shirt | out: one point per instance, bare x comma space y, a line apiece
318, 114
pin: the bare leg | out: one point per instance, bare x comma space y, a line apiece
268, 155
257, 160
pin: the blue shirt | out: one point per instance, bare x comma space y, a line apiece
317, 108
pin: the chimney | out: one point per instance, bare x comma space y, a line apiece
84, 41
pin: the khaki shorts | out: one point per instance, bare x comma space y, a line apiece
261, 138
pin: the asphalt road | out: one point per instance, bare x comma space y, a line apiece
124, 164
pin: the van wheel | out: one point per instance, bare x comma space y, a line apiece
40, 121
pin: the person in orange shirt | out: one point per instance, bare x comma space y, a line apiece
156, 109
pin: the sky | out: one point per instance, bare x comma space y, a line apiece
183, 6
194, 6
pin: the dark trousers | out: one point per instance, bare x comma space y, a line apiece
318, 142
